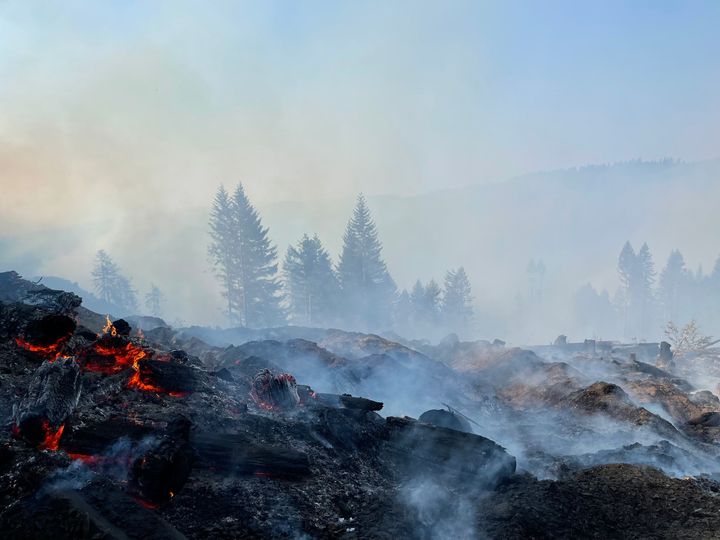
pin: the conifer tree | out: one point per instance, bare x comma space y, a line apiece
368, 291
153, 300
628, 273
674, 286
111, 285
417, 303
311, 283
433, 297
244, 261
403, 314
457, 300
645, 293
223, 249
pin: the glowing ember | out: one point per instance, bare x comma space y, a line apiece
52, 438
274, 392
51, 351
145, 504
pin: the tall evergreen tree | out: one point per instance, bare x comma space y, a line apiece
673, 286
367, 288
645, 290
433, 297
105, 276
417, 302
111, 285
311, 283
223, 249
628, 273
403, 314
153, 300
244, 261
457, 300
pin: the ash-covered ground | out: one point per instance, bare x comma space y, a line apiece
132, 429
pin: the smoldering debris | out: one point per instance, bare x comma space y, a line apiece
166, 436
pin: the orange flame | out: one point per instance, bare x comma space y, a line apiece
52, 439
109, 328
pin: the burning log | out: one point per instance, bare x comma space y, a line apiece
167, 377
234, 453
275, 392
52, 397
47, 336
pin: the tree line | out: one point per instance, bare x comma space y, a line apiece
647, 301
310, 290
116, 289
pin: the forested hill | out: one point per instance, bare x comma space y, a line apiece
575, 220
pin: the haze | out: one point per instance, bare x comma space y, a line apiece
118, 120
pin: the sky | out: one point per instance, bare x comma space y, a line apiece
118, 118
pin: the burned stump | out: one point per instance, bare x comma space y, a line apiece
274, 392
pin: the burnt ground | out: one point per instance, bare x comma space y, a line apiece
111, 433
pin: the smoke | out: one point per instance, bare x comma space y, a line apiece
114, 463
117, 131
441, 512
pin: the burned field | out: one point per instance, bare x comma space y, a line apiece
114, 432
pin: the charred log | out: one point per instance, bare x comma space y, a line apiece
95, 439
363, 404
445, 419
436, 450
52, 397
168, 376
97, 510
234, 453
160, 473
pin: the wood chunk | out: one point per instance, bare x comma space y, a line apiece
170, 376
350, 402
52, 396
234, 453
418, 446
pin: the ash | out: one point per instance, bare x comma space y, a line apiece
309, 433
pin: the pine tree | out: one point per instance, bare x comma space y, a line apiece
105, 276
417, 303
645, 294
244, 261
258, 298
310, 282
111, 285
673, 286
403, 315
368, 290
223, 249
457, 300
628, 273
154, 300
433, 297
